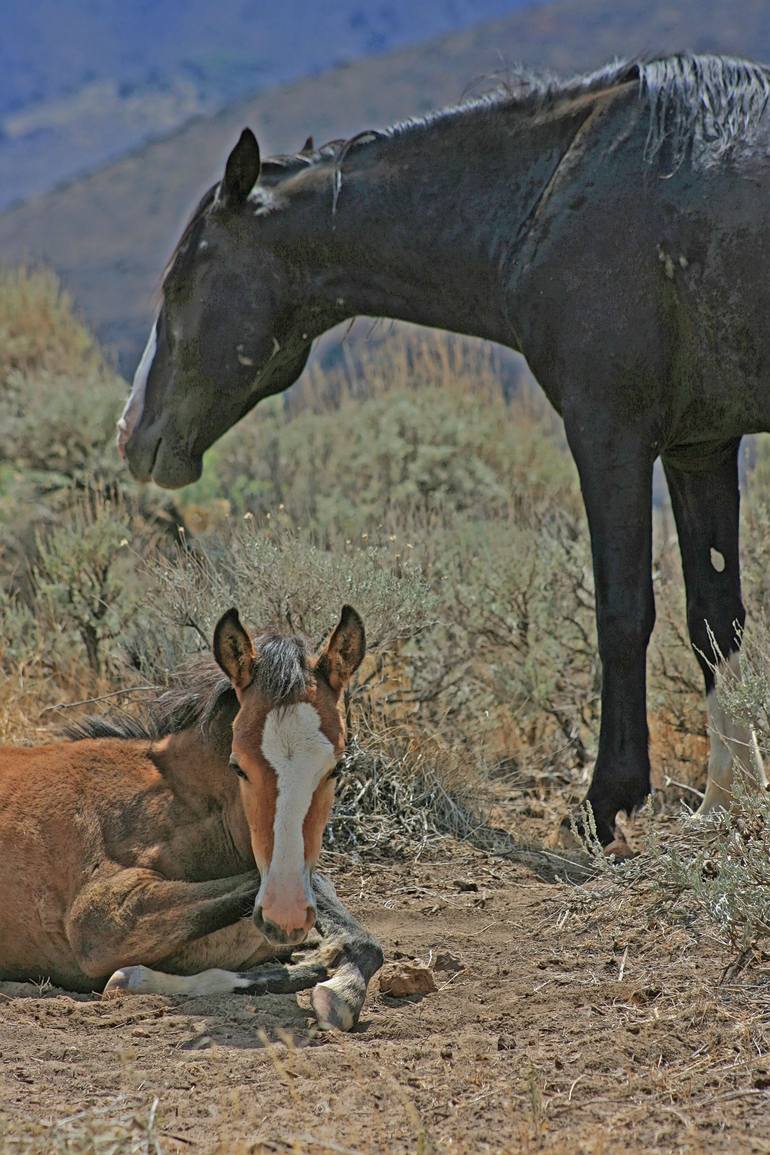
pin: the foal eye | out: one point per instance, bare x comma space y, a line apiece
236, 766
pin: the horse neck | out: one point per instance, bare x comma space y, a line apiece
196, 769
424, 225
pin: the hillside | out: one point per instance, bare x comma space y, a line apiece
108, 234
83, 83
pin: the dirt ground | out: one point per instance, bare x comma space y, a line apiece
568, 1028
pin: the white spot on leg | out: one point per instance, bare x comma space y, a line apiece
717, 560
132, 411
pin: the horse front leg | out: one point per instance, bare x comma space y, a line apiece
187, 973
356, 955
616, 480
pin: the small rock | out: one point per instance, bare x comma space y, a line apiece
402, 979
447, 963
506, 1043
201, 1043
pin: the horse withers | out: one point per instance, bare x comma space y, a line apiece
174, 854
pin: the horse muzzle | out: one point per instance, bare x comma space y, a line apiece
156, 454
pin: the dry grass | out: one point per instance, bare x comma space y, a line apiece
121, 1127
38, 329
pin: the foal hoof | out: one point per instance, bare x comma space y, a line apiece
331, 1010
128, 980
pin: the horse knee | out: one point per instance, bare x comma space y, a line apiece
624, 631
95, 957
93, 938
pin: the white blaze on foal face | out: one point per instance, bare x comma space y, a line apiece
301, 756
287, 738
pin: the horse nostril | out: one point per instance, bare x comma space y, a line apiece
259, 919
272, 930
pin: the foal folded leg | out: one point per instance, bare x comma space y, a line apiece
353, 952
347, 951
136, 916
706, 510
269, 978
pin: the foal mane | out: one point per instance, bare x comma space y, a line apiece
200, 694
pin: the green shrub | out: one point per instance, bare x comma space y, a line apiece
82, 581
279, 578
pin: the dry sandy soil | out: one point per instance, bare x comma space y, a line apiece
571, 1027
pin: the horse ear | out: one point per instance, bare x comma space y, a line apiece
234, 650
308, 146
242, 169
343, 653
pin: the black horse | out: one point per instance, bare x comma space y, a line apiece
614, 229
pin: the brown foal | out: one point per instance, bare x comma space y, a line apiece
187, 842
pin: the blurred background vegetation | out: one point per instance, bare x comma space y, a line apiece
404, 483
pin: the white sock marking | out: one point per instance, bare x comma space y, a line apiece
132, 411
139, 980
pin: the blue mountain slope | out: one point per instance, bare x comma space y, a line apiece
53, 48
84, 81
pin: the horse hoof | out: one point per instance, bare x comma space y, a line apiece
331, 1010
128, 980
619, 849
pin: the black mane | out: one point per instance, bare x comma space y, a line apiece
696, 104
200, 694
709, 100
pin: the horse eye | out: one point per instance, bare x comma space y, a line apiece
236, 766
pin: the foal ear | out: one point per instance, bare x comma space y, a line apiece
242, 170
308, 146
234, 650
344, 651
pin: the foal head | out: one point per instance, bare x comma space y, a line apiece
288, 737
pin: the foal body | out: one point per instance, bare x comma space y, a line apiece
143, 857
127, 853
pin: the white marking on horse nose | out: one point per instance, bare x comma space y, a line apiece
717, 560
132, 411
